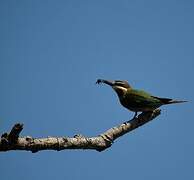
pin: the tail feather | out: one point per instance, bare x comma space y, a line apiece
169, 101
176, 101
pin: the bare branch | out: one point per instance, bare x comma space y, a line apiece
12, 141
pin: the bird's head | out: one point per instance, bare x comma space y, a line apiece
119, 86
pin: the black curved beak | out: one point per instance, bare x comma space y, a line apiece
108, 82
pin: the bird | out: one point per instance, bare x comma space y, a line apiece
136, 100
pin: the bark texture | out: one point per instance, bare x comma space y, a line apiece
12, 141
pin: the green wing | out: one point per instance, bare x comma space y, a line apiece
139, 100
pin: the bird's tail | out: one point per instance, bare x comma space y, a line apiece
170, 101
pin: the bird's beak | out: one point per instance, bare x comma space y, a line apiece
108, 82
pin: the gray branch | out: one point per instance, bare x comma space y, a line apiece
12, 141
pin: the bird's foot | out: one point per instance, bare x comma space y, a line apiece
135, 115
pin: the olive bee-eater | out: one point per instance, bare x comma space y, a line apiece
136, 100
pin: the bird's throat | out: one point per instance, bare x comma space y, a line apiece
121, 91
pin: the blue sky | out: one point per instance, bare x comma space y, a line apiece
52, 52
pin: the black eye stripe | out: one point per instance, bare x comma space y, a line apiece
118, 81
122, 83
